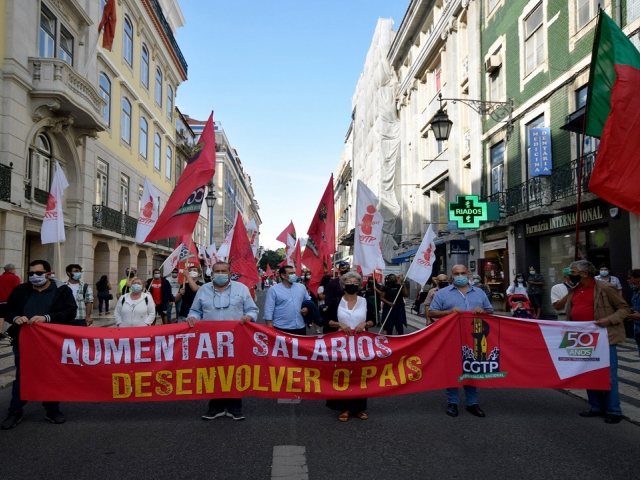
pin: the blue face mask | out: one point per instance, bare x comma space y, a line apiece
532, 272
220, 279
293, 278
460, 281
136, 288
77, 275
174, 275
156, 276
604, 273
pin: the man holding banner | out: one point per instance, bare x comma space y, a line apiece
457, 298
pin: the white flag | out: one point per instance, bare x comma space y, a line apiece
290, 250
367, 251
53, 222
422, 265
180, 253
210, 257
252, 230
148, 215
223, 251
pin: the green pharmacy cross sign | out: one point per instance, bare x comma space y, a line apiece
468, 211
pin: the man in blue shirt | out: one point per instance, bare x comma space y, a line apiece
283, 306
223, 299
460, 297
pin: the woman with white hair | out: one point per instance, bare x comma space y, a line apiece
136, 308
351, 314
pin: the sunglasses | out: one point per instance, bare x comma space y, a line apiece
37, 273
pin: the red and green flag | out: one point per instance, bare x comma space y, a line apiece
613, 115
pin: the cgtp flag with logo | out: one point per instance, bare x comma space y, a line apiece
367, 250
53, 221
148, 215
422, 265
180, 253
181, 213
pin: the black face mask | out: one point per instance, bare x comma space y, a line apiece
351, 289
575, 279
443, 284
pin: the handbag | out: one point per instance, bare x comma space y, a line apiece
111, 296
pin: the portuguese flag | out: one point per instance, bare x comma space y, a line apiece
613, 115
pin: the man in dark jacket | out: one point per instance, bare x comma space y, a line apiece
38, 300
160, 289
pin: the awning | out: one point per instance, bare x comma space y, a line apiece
346, 240
404, 257
497, 245
575, 121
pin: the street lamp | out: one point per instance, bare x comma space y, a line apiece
498, 111
211, 202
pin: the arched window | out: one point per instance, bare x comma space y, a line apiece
156, 151
144, 66
39, 166
170, 103
125, 127
159, 86
168, 166
105, 92
127, 41
144, 137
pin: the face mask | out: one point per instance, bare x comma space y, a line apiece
193, 274
53, 275
174, 275
351, 289
521, 280
633, 287
293, 278
476, 281
220, 279
136, 288
131, 275
443, 284
38, 280
308, 277
604, 273
461, 281
532, 272
77, 275
156, 276
575, 279
391, 281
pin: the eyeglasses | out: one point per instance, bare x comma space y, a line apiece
220, 305
37, 273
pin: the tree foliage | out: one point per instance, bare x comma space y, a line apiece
272, 258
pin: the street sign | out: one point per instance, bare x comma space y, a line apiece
468, 211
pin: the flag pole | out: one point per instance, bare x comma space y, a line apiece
184, 277
59, 258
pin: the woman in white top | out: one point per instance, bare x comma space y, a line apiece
519, 287
136, 308
352, 314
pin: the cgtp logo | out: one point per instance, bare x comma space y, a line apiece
579, 344
425, 261
477, 361
51, 213
366, 226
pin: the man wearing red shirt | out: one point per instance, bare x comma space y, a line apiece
8, 281
160, 289
590, 300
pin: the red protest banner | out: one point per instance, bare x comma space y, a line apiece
226, 359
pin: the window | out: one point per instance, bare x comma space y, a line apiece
170, 103
47, 34
537, 123
437, 77
492, 4
496, 85
144, 137
66, 46
124, 194
159, 86
127, 41
168, 167
585, 11
105, 92
102, 182
125, 127
39, 170
144, 66
591, 144
140, 192
441, 207
156, 152
534, 40
497, 168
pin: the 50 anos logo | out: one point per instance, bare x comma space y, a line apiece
579, 345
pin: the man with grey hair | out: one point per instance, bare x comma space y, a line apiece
590, 300
8, 281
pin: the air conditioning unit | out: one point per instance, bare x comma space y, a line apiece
491, 63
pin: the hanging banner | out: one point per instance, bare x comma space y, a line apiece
540, 151
228, 360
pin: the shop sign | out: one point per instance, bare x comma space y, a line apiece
586, 215
468, 211
540, 151
459, 247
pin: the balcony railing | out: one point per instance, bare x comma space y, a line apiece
167, 30
114, 221
564, 180
166, 242
533, 193
5, 182
40, 196
501, 199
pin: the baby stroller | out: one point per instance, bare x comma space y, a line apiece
520, 306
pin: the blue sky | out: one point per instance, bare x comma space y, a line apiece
280, 76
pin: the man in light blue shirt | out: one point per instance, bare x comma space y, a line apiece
460, 297
283, 306
223, 299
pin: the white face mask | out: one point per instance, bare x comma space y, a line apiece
193, 274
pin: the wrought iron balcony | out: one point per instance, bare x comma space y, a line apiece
40, 196
114, 221
564, 179
167, 30
501, 199
166, 242
5, 182
533, 193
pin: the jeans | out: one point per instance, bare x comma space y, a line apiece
608, 401
636, 333
16, 405
470, 393
232, 405
79, 323
170, 307
106, 303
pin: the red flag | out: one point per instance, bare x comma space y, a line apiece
243, 263
268, 272
181, 212
108, 22
323, 226
291, 230
187, 260
297, 259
